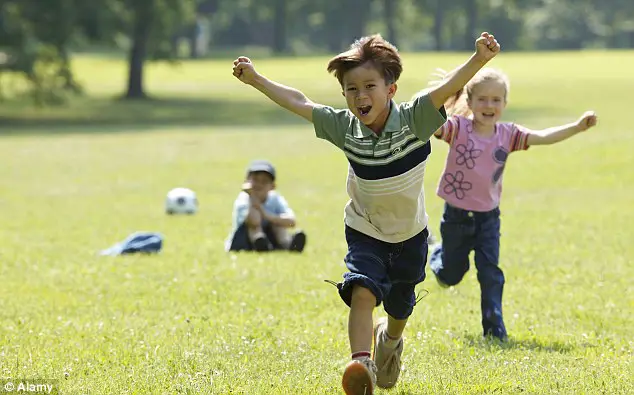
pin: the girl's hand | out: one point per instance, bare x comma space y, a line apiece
587, 120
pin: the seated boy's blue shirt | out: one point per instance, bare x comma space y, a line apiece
274, 204
385, 173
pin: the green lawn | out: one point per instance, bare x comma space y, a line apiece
198, 320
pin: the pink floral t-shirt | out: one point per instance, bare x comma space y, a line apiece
472, 179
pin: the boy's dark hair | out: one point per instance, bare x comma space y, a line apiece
374, 49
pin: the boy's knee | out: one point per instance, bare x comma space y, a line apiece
360, 288
363, 296
282, 236
255, 229
254, 222
399, 303
254, 219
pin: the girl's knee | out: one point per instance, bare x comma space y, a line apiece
454, 277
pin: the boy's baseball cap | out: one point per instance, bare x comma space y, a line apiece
261, 165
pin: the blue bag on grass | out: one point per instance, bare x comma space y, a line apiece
138, 242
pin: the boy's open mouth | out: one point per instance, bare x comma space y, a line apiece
488, 114
364, 110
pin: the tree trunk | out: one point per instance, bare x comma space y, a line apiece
357, 14
472, 23
143, 19
334, 31
66, 72
438, 24
194, 37
279, 27
390, 19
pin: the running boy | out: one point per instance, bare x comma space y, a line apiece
261, 216
387, 146
471, 185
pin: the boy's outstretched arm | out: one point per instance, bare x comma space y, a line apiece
559, 133
486, 49
287, 97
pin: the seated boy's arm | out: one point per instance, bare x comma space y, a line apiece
285, 96
282, 220
241, 208
282, 214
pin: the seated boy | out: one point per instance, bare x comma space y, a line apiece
261, 216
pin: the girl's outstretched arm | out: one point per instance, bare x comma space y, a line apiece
559, 133
285, 96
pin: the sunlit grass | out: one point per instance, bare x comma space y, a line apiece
195, 319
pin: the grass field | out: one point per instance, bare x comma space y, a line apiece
198, 320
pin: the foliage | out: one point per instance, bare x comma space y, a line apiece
49, 31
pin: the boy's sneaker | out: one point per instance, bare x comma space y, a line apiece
388, 360
359, 377
298, 242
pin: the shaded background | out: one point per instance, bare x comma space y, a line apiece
39, 37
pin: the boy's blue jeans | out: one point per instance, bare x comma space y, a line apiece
390, 271
464, 231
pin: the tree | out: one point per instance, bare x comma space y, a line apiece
35, 38
471, 10
357, 13
439, 19
152, 23
143, 12
390, 10
279, 26
149, 26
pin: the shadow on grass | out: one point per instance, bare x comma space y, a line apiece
106, 115
519, 344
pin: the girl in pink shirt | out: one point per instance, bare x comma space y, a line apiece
471, 185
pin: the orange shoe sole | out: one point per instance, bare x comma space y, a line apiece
356, 379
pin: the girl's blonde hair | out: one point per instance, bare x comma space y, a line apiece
457, 104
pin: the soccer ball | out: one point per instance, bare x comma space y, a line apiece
181, 201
